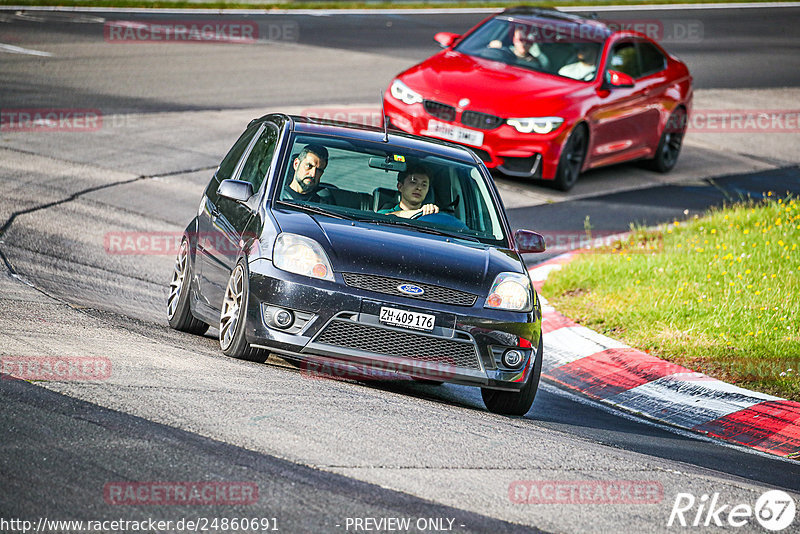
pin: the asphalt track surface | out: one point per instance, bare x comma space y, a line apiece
320, 451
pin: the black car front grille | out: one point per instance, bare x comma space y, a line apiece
439, 110
347, 334
388, 286
484, 121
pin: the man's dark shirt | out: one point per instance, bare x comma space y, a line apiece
320, 196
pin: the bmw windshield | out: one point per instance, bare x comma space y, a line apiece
388, 184
564, 49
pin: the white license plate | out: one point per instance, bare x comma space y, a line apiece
407, 319
454, 133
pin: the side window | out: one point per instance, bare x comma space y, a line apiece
624, 59
652, 59
228, 164
260, 158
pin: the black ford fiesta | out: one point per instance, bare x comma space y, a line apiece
320, 241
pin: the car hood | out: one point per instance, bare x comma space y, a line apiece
402, 253
451, 76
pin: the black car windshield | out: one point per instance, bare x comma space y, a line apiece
388, 184
564, 49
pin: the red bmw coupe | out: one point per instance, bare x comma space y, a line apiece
544, 94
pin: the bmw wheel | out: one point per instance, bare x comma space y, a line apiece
515, 402
179, 312
571, 160
232, 321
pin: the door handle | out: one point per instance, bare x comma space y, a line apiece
214, 213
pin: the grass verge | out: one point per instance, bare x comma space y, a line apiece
719, 294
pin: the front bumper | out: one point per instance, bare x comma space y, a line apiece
503, 148
341, 323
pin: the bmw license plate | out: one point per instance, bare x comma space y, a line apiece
454, 133
407, 319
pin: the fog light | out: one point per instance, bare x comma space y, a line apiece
512, 358
282, 318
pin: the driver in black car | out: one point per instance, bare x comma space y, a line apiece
413, 184
308, 167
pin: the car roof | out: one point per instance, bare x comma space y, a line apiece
360, 132
580, 26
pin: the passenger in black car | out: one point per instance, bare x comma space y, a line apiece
308, 167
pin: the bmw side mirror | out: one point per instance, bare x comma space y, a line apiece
237, 190
446, 39
528, 241
616, 79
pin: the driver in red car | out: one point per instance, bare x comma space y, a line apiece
524, 47
413, 184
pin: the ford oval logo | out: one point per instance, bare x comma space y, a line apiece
410, 289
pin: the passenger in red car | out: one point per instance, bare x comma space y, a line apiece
585, 67
413, 185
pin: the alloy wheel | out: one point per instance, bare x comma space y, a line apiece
231, 305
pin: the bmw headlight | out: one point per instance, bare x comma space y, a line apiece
510, 291
301, 255
405, 95
539, 125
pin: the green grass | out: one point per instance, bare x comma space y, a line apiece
344, 4
719, 294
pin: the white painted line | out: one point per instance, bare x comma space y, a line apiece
410, 11
11, 49
618, 411
687, 399
540, 274
571, 343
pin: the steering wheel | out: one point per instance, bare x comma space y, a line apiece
502, 54
445, 219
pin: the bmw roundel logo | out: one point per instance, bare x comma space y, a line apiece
410, 289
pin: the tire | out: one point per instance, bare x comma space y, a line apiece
669, 145
571, 160
179, 312
515, 402
232, 321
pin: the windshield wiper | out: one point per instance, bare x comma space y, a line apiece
399, 221
308, 208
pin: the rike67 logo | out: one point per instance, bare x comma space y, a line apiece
774, 511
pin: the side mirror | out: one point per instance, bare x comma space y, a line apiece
528, 241
618, 79
237, 190
446, 39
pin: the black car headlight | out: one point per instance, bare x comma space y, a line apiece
510, 291
300, 255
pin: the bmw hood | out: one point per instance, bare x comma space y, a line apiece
403, 253
450, 76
